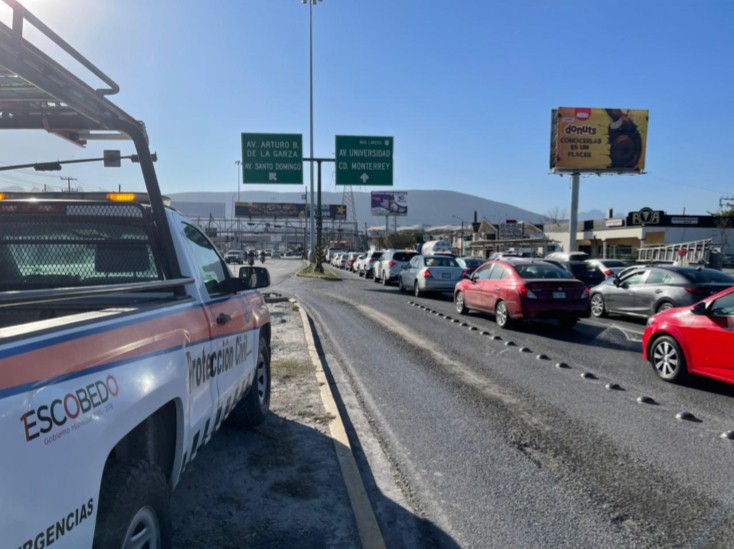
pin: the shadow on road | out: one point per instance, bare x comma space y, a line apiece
400, 527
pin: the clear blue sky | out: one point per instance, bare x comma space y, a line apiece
466, 88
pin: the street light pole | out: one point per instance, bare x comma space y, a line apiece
312, 255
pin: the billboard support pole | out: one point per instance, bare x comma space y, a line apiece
573, 222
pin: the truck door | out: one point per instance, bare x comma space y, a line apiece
219, 370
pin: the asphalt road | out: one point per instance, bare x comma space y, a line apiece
496, 444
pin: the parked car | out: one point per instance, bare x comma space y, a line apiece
568, 256
234, 256
388, 268
470, 264
430, 273
609, 267
585, 271
647, 290
351, 258
522, 288
367, 266
693, 340
358, 262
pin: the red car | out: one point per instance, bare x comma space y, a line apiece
516, 288
695, 340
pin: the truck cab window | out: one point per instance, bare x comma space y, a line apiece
211, 267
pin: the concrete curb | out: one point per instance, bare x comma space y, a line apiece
369, 531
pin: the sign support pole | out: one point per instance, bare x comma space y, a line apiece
317, 256
573, 221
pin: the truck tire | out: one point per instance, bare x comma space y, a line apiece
134, 507
255, 405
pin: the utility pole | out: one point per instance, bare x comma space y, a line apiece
725, 200
68, 182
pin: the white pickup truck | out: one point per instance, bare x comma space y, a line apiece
125, 341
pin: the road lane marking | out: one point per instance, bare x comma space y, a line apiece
369, 530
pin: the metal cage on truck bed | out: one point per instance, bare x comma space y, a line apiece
38, 93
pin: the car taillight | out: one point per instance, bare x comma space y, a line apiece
608, 272
427, 273
525, 292
585, 294
465, 273
391, 264
372, 260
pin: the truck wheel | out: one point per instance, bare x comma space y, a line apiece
254, 407
134, 507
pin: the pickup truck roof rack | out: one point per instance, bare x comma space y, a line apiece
37, 92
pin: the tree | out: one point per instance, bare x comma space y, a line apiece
555, 215
403, 239
724, 220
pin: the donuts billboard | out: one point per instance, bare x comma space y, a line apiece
598, 140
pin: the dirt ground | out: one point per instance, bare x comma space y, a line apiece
278, 485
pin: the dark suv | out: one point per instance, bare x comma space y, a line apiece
587, 271
391, 263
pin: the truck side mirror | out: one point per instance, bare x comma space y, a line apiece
254, 277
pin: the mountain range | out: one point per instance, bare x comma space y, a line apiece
428, 208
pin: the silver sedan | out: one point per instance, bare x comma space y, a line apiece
430, 273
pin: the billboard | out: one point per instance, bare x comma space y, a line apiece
389, 203
598, 140
287, 210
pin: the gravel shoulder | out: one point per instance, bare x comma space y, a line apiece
278, 485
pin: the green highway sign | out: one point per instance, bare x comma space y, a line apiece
272, 158
364, 160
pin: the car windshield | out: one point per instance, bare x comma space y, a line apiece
578, 268
541, 271
404, 256
441, 262
472, 262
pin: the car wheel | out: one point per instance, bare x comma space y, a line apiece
664, 306
134, 507
597, 306
667, 359
459, 303
502, 315
400, 284
375, 279
567, 323
416, 290
385, 280
255, 405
